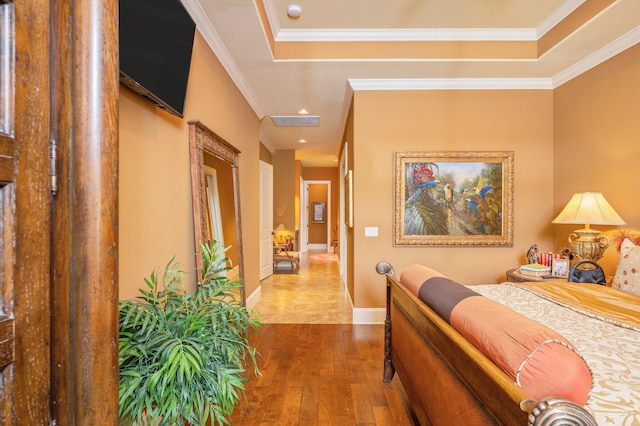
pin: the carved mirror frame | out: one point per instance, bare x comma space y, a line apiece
203, 140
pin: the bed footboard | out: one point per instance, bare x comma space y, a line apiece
448, 380
384, 268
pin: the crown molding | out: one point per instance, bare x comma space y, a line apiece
414, 34
596, 58
205, 27
409, 34
557, 16
272, 16
451, 84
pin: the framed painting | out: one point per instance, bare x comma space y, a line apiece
453, 199
318, 212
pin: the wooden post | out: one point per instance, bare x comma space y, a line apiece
85, 238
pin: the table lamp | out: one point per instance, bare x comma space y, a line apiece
588, 208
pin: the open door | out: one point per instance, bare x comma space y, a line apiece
25, 320
266, 220
58, 237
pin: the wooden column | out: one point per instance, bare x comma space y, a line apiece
94, 240
85, 336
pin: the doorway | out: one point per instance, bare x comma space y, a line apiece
315, 215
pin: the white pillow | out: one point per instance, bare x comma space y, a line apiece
627, 276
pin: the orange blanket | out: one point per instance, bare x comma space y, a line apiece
591, 299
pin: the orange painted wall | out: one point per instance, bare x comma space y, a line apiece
498, 120
155, 213
285, 189
597, 139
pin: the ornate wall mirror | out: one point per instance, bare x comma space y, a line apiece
216, 195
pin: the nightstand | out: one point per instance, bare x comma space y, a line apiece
514, 276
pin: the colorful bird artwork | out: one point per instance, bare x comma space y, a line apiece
452, 199
447, 194
423, 178
476, 202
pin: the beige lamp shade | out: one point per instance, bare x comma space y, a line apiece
590, 208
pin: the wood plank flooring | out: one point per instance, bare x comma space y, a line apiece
321, 374
317, 368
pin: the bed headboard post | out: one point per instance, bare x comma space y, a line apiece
384, 268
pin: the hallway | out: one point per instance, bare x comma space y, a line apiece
315, 295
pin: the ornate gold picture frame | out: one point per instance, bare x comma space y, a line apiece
453, 199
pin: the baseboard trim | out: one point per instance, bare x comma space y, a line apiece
317, 247
369, 315
254, 297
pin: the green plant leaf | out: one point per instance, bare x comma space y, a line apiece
183, 354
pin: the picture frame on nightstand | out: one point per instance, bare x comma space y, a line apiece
560, 268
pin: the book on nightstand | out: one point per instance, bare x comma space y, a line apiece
535, 270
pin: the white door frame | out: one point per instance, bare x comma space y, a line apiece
304, 211
304, 214
344, 168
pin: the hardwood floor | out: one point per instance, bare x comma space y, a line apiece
317, 368
321, 374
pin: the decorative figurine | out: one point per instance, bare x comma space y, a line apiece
532, 254
566, 253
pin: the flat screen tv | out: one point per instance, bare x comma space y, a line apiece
156, 41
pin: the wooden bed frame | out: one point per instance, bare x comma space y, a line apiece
447, 380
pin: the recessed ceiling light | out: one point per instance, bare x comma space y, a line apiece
294, 11
302, 141
303, 111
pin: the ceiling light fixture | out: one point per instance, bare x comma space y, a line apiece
294, 11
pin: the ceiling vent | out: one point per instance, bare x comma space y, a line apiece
296, 121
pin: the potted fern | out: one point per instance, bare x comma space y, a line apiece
182, 354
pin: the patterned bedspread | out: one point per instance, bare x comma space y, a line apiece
609, 345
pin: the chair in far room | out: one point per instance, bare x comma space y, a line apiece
282, 254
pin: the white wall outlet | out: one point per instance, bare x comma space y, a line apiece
371, 231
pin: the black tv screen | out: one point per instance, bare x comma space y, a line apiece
156, 41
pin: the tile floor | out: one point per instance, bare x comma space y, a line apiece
315, 295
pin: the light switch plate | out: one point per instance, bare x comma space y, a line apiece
371, 231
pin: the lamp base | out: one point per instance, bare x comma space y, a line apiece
588, 244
